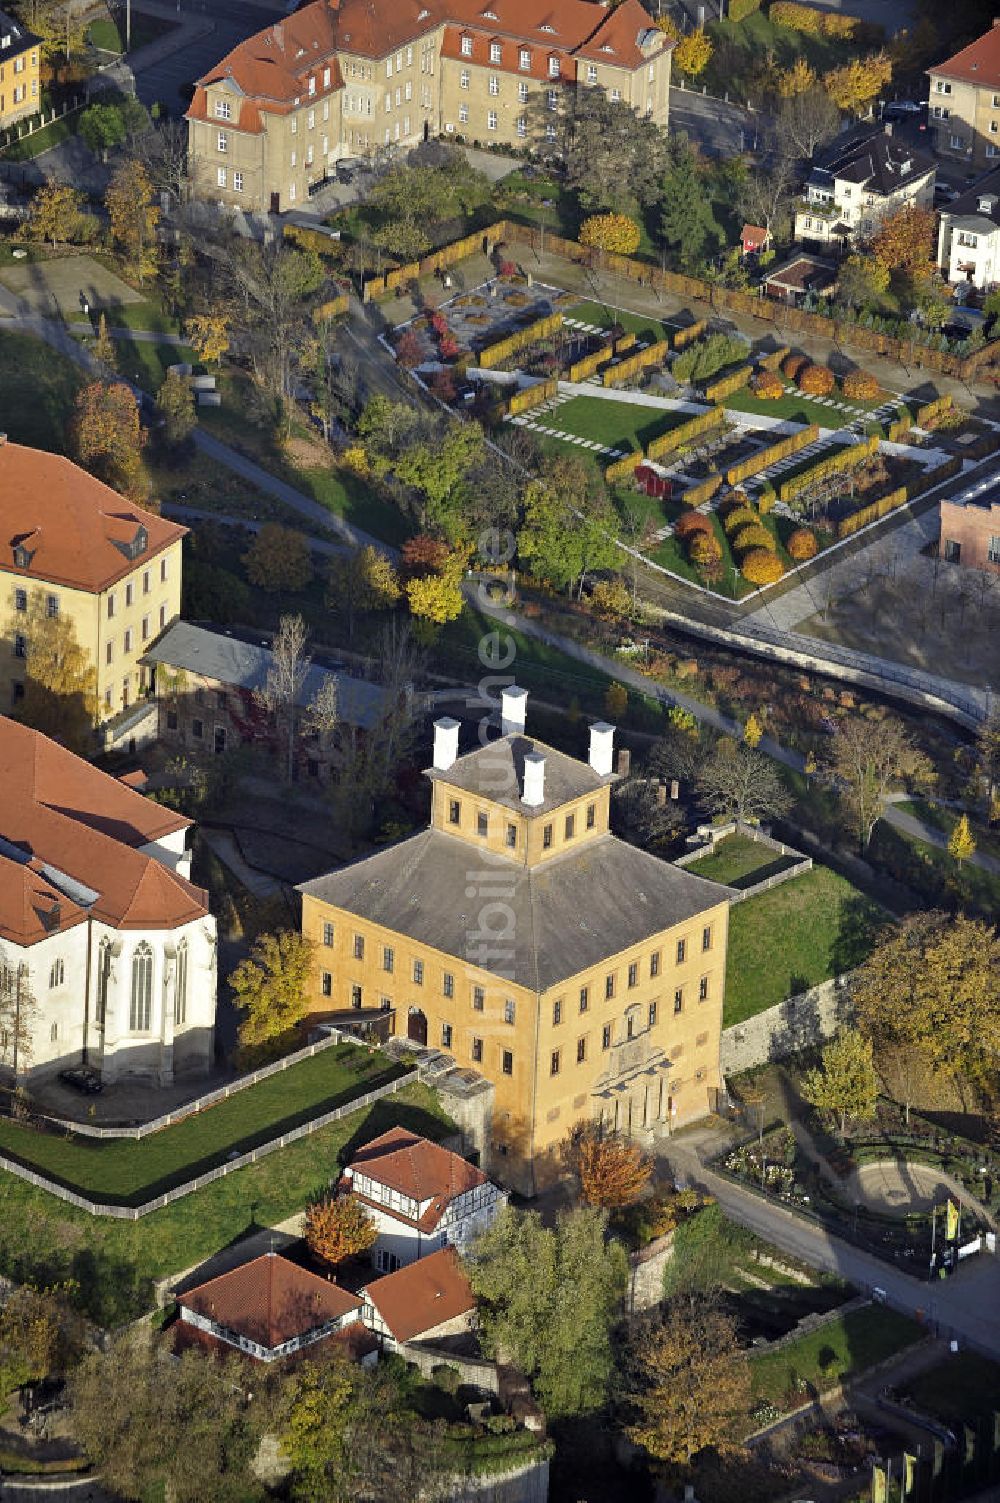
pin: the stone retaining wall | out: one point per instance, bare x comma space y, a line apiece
810, 1018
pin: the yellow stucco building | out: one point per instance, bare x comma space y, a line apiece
71, 547
19, 54
582, 976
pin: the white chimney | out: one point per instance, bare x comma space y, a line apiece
513, 711
602, 748
534, 780
445, 743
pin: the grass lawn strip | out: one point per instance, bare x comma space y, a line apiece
603, 317
616, 425
741, 861
945, 820
793, 937
44, 1240
840, 1349
129, 1171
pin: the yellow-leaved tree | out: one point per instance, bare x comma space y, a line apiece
107, 436
134, 215
616, 233
208, 336
905, 241
856, 84
270, 988
962, 843
693, 53
60, 681
796, 80
55, 213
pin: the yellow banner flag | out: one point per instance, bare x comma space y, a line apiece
879, 1488
970, 1444
909, 1473
951, 1221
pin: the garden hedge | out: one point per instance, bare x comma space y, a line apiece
773, 361
692, 522
581, 369
752, 536
492, 354
532, 396
860, 385
740, 516
740, 9
333, 308
880, 508
717, 391
931, 410
687, 336
816, 381
898, 427
802, 545
675, 438
773, 454
704, 491
761, 567
768, 385
793, 364
807, 18
624, 342
653, 354
844, 459
622, 468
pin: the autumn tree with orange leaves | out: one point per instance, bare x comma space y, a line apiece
107, 437
338, 1228
904, 241
613, 1172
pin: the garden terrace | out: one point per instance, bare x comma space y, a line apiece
839, 1349
44, 1241
740, 861
129, 1172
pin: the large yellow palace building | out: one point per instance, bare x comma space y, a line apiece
582, 976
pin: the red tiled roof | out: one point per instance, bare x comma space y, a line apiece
422, 1295
416, 1167
71, 523
270, 1300
979, 63
30, 907
63, 813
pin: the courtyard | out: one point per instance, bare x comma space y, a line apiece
62, 285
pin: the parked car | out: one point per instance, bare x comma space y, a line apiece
900, 109
82, 1078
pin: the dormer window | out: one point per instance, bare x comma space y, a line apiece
312, 86
496, 52
524, 61
987, 203
22, 557
555, 67
466, 46
546, 27
137, 545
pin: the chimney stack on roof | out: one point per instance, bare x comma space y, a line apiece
513, 711
534, 780
887, 127
602, 748
445, 743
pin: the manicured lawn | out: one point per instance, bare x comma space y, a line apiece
131, 1172
50, 135
742, 47
146, 315
37, 391
841, 1348
617, 425
44, 1240
740, 861
633, 323
146, 364
794, 936
959, 1390
801, 409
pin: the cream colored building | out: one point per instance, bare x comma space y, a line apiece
332, 81
19, 53
581, 975
963, 112
71, 547
853, 187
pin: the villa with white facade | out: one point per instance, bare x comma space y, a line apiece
422, 1197
969, 235
107, 949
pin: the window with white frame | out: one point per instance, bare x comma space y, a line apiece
496, 52
550, 132
220, 177
555, 67
57, 974
522, 125
466, 46
956, 143
524, 59
223, 109
141, 1002
326, 78
238, 182
941, 86
615, 94
463, 114
463, 78
491, 120
494, 84
408, 91
552, 99
311, 120
522, 93
409, 57
591, 72
223, 141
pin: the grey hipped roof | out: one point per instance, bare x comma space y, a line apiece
966, 206
244, 665
496, 772
882, 164
565, 915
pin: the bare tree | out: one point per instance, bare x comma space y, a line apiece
762, 197
163, 152
741, 783
807, 122
18, 1013
867, 757
282, 691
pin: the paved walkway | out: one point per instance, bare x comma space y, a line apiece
225, 519
909, 824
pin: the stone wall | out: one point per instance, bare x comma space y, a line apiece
646, 1273
477, 1372
528, 1484
810, 1018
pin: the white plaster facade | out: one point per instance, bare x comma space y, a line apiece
408, 1229
969, 243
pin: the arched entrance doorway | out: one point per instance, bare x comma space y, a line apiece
416, 1026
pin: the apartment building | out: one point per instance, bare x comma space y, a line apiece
856, 185
335, 79
969, 235
19, 54
107, 950
970, 530
581, 975
72, 547
963, 112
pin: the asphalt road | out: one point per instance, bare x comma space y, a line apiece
720, 129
